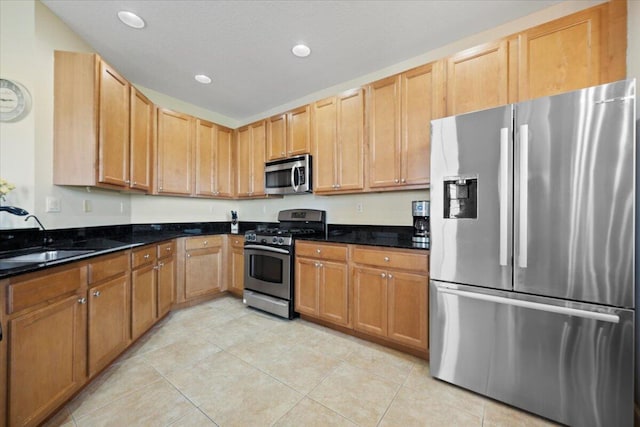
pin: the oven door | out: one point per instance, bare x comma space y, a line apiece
268, 270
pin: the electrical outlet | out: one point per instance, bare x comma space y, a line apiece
53, 204
359, 207
86, 205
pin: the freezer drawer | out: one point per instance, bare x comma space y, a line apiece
569, 362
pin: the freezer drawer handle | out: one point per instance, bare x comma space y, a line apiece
504, 183
524, 195
611, 318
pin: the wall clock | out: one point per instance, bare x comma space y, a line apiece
15, 101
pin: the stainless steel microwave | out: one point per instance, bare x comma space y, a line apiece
288, 176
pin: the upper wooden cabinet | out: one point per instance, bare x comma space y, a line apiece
174, 169
289, 134
400, 109
251, 158
338, 143
206, 152
224, 163
478, 78
93, 142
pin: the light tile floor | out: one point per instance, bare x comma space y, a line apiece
220, 363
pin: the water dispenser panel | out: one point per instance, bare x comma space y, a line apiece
461, 198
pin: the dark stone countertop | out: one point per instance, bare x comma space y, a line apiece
373, 235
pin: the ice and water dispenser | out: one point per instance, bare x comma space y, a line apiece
461, 197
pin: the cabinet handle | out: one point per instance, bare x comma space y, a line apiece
383, 275
135, 182
397, 180
390, 276
161, 264
82, 300
321, 265
146, 256
282, 153
205, 243
188, 255
96, 294
403, 180
168, 249
318, 250
386, 259
317, 265
337, 185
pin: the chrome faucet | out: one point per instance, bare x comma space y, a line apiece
45, 240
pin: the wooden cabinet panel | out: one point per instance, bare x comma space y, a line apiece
224, 162
477, 78
38, 288
109, 322
166, 284
306, 286
251, 158
370, 301
322, 251
143, 256
142, 111
384, 132
205, 149
243, 174
350, 144
46, 359
333, 301
166, 249
408, 308
143, 299
325, 140
562, 55
236, 275
202, 242
113, 146
108, 266
175, 153
299, 131
203, 267
391, 258
277, 137
258, 147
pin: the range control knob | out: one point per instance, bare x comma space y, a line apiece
274, 240
280, 240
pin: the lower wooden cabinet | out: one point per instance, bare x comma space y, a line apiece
108, 303
322, 282
390, 294
46, 342
144, 304
236, 264
166, 281
203, 266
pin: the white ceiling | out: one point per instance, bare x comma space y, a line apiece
245, 46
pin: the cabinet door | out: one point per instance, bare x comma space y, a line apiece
408, 320
299, 131
477, 78
277, 137
202, 272
109, 322
561, 56
418, 98
306, 286
333, 304
143, 300
141, 140
370, 300
113, 161
166, 284
324, 145
205, 158
224, 162
175, 152
384, 132
46, 359
258, 147
350, 146
237, 270
243, 175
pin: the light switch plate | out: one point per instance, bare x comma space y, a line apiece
53, 204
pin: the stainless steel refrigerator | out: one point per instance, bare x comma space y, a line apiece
533, 254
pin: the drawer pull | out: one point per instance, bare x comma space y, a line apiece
318, 250
386, 259
82, 300
205, 243
146, 256
96, 294
168, 249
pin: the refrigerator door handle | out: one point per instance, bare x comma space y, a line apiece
504, 196
593, 315
524, 196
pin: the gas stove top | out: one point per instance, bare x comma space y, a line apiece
293, 222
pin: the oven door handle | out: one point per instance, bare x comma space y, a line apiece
267, 248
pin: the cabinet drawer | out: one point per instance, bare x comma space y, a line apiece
236, 241
166, 249
43, 287
203, 242
322, 251
391, 258
108, 266
143, 256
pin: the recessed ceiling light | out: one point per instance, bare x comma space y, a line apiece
205, 80
301, 50
131, 19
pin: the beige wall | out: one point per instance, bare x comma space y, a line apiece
26, 147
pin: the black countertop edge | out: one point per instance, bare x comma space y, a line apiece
393, 236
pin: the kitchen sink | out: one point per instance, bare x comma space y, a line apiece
41, 257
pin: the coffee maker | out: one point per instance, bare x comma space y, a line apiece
420, 212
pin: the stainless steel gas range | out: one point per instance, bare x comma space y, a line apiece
269, 260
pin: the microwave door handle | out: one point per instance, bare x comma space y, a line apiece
293, 178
